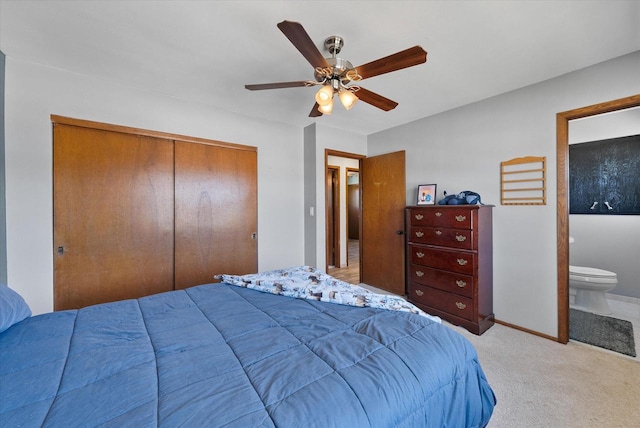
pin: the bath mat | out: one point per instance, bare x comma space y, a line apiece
602, 331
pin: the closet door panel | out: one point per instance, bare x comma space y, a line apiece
215, 211
113, 216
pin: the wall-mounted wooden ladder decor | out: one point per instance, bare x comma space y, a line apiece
523, 181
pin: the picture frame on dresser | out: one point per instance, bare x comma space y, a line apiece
427, 194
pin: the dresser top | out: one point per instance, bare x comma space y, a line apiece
446, 207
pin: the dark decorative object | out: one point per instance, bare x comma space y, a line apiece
604, 177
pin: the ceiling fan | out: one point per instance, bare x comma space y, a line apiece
336, 75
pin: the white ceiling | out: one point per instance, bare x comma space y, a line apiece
206, 51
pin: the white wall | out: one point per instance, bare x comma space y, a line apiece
35, 92
3, 223
310, 216
609, 242
462, 149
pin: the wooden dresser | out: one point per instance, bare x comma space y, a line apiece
450, 263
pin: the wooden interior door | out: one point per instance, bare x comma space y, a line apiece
216, 212
113, 216
383, 202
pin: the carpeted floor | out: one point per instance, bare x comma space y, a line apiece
542, 383
602, 331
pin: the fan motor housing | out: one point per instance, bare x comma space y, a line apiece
339, 69
339, 66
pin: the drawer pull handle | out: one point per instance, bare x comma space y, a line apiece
460, 305
438, 214
419, 292
461, 218
438, 232
460, 283
419, 274
420, 254
461, 238
419, 216
419, 234
462, 262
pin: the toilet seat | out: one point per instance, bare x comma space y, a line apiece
588, 274
588, 271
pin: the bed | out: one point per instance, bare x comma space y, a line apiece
287, 348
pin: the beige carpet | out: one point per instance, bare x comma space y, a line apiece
541, 383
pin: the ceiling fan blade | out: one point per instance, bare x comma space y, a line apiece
314, 111
261, 86
375, 100
301, 40
403, 59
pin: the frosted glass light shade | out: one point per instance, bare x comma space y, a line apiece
326, 109
348, 99
325, 95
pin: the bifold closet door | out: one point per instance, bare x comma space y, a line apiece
113, 216
215, 212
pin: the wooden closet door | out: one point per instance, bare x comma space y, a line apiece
113, 216
216, 212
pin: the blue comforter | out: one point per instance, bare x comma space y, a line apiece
222, 355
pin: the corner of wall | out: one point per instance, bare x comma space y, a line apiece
310, 195
3, 205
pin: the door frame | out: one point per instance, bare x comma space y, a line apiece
338, 153
332, 173
562, 150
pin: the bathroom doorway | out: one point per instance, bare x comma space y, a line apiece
562, 128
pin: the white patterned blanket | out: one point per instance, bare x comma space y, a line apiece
305, 282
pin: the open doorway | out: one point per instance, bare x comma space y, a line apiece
343, 216
382, 191
562, 132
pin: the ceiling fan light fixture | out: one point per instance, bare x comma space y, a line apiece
335, 74
326, 109
347, 98
325, 95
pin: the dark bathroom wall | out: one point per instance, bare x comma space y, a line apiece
604, 178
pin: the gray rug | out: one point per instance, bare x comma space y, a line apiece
605, 332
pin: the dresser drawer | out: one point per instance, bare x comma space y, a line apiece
454, 238
443, 280
450, 260
458, 218
450, 303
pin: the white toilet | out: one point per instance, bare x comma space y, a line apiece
590, 286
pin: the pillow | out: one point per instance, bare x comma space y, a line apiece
13, 308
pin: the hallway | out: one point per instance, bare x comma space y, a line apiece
351, 273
